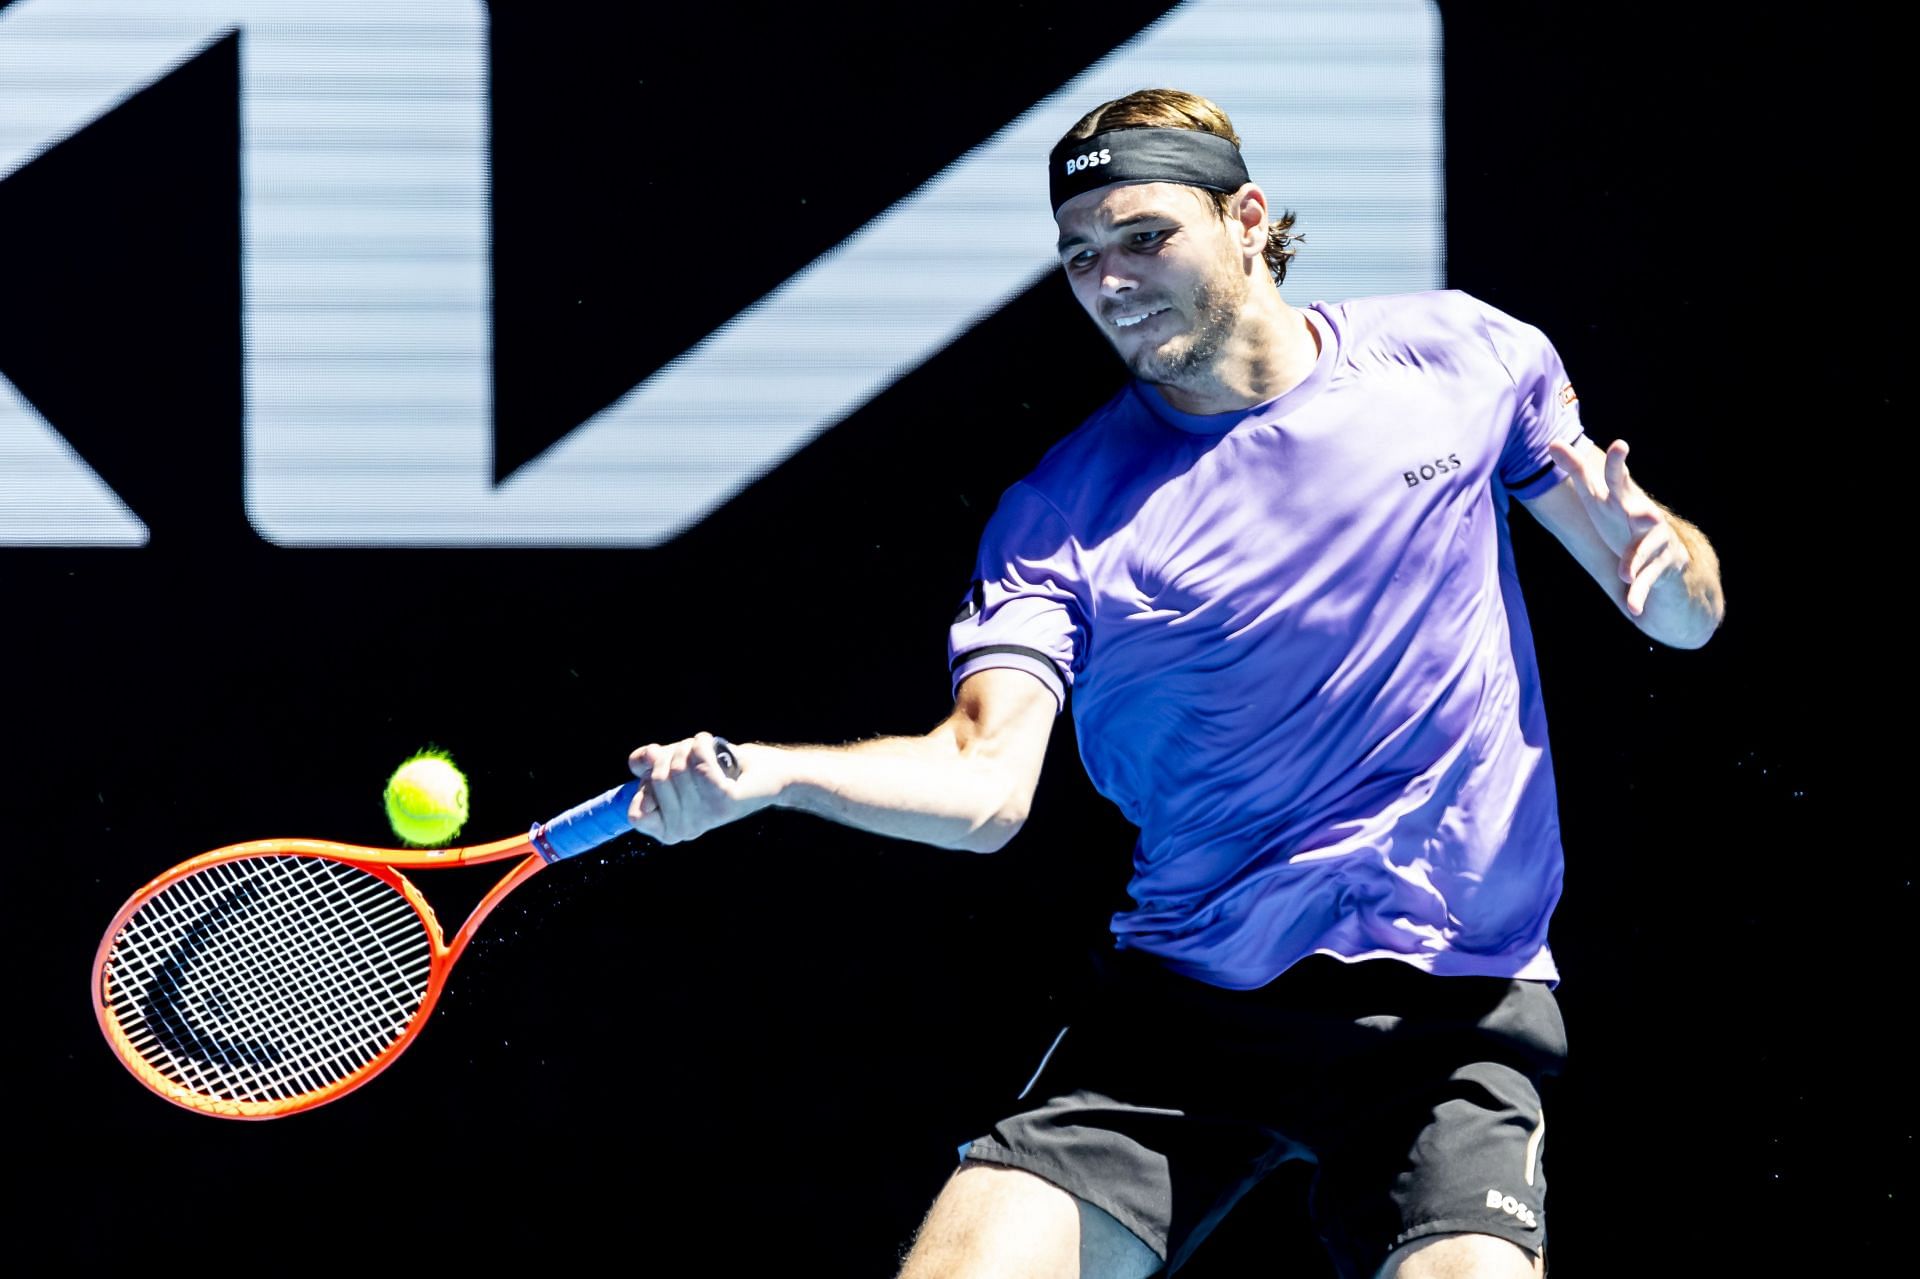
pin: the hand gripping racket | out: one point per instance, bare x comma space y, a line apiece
267, 978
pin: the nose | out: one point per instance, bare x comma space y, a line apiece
1113, 282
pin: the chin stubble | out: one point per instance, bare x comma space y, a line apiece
1214, 309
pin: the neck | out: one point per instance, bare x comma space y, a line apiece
1272, 350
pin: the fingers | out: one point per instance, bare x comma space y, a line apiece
668, 786
1628, 496
1574, 462
1645, 553
1617, 465
705, 757
1650, 560
643, 812
1568, 459
1640, 587
684, 793
1631, 523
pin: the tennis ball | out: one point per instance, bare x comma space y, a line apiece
427, 799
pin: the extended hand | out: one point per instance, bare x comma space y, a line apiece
686, 792
1634, 525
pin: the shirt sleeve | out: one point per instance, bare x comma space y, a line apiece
1023, 610
1545, 407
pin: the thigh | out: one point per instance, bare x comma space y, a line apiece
994, 1221
1166, 1102
1127, 1112
1443, 1131
1445, 1256
991, 1220
1465, 1156
1167, 1176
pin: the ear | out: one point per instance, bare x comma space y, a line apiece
1249, 210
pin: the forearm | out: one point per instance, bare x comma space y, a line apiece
936, 789
1685, 608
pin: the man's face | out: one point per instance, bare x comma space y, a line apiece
1159, 271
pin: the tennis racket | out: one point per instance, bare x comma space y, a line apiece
267, 978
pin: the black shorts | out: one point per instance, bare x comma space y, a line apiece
1416, 1097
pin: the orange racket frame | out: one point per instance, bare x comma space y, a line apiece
385, 863
583, 827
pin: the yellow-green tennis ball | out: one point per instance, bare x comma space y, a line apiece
427, 800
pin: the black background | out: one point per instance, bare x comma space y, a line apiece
760, 1050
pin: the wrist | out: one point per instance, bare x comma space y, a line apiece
766, 774
1681, 611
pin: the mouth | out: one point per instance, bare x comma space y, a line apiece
1132, 318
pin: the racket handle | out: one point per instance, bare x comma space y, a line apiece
602, 818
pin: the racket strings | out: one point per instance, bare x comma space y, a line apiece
268, 978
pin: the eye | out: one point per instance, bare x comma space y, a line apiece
1148, 239
1080, 260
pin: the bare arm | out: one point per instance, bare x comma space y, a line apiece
1659, 569
967, 784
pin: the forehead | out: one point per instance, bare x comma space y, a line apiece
1091, 211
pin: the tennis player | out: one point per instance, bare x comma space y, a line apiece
1274, 572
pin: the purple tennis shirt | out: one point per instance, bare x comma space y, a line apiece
1299, 660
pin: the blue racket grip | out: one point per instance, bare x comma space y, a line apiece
602, 818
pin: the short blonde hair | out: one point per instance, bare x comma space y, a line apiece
1178, 109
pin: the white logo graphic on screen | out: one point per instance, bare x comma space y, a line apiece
366, 243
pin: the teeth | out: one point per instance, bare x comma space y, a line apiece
1128, 321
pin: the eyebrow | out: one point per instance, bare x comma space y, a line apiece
1068, 241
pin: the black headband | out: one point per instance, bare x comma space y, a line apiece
1188, 156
